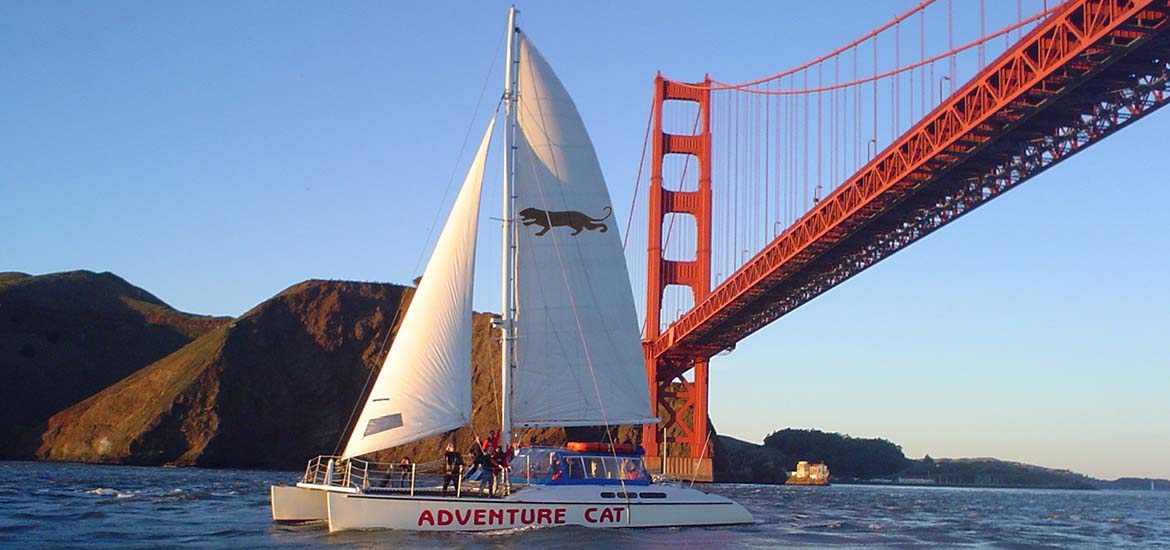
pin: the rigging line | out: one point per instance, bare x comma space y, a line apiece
360, 401
572, 300
382, 348
698, 461
462, 148
634, 201
565, 279
638, 178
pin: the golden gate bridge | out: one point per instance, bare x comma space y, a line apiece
759, 196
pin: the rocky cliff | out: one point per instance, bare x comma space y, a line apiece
66, 336
271, 389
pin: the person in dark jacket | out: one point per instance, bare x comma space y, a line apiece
477, 457
453, 469
499, 467
487, 476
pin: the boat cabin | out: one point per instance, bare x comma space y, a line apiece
563, 466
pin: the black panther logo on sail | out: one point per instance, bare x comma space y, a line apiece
568, 218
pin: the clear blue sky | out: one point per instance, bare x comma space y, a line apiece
216, 153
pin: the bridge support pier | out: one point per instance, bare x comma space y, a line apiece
678, 446
682, 440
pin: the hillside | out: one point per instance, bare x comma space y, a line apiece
849, 457
860, 460
993, 472
738, 461
66, 336
272, 389
102, 371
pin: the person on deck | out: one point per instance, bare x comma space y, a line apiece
477, 457
508, 453
487, 477
499, 466
631, 470
404, 467
492, 441
555, 471
453, 469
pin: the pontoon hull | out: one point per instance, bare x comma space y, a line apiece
298, 504
534, 507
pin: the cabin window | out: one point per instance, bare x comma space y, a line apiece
542, 465
605, 467
653, 495
533, 465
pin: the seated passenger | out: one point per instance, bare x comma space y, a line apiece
575, 470
632, 471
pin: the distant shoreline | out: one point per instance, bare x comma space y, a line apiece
963, 485
1161, 485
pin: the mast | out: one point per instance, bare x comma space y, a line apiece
507, 324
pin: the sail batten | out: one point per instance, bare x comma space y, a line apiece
578, 354
424, 386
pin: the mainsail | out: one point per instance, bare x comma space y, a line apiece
424, 387
578, 355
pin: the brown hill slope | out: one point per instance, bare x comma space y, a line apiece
66, 336
272, 389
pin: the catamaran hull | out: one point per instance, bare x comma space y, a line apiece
363, 511
298, 504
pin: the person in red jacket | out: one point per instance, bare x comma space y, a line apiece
491, 443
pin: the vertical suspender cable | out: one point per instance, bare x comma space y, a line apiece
896, 85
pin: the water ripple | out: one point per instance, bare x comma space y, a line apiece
105, 507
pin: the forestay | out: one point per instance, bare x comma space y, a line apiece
424, 386
578, 354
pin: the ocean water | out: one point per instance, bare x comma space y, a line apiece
114, 507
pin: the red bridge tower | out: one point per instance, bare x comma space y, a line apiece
679, 444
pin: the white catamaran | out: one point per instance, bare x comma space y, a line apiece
571, 351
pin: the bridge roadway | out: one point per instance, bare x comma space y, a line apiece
1088, 71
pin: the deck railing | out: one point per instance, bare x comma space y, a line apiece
368, 476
